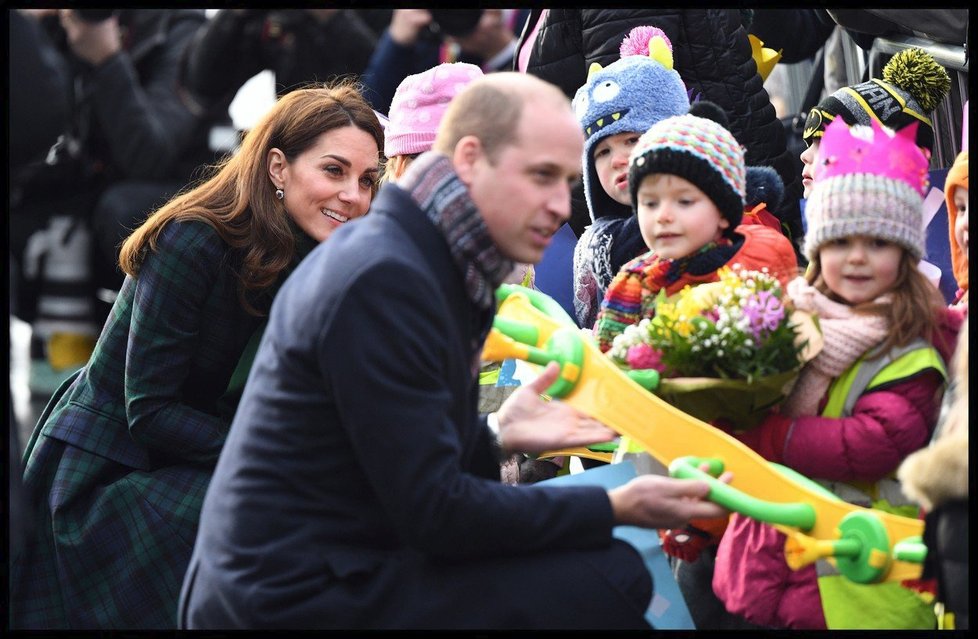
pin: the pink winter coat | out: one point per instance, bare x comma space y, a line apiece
887, 424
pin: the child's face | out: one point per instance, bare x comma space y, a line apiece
961, 221
676, 218
860, 268
610, 157
808, 168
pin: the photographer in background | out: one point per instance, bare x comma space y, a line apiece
298, 45
418, 39
130, 143
39, 106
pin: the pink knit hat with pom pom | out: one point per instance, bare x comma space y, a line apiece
420, 102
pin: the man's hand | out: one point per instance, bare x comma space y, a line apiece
93, 42
530, 424
654, 501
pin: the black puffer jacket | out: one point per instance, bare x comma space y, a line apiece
712, 55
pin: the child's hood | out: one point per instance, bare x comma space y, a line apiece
629, 95
957, 177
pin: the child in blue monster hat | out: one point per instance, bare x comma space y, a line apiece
615, 106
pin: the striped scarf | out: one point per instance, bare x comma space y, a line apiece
631, 295
433, 184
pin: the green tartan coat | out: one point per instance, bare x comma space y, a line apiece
117, 468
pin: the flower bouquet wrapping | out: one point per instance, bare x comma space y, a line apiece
729, 350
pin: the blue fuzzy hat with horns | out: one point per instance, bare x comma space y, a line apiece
629, 95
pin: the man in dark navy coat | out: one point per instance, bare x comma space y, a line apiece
358, 487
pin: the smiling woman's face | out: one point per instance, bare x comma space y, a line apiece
330, 183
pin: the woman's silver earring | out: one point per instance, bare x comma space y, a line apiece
280, 194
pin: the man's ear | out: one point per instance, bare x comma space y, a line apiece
276, 167
468, 151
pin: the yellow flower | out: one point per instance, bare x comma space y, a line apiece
734, 279
666, 311
669, 315
695, 300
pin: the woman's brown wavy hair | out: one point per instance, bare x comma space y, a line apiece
238, 198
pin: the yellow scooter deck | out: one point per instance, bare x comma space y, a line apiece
604, 392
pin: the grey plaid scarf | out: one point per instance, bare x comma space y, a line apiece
433, 184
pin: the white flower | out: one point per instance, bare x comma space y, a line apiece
620, 341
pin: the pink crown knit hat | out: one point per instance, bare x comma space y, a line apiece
868, 181
420, 102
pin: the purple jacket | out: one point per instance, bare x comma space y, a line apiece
887, 424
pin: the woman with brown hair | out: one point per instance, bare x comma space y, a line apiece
118, 464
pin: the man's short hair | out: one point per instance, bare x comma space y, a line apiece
490, 109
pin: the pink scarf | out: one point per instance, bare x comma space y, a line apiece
847, 336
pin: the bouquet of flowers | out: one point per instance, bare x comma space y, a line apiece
727, 350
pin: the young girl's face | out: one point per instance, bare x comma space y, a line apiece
610, 157
676, 218
961, 221
860, 268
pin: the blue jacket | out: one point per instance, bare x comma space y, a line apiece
357, 465
391, 63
